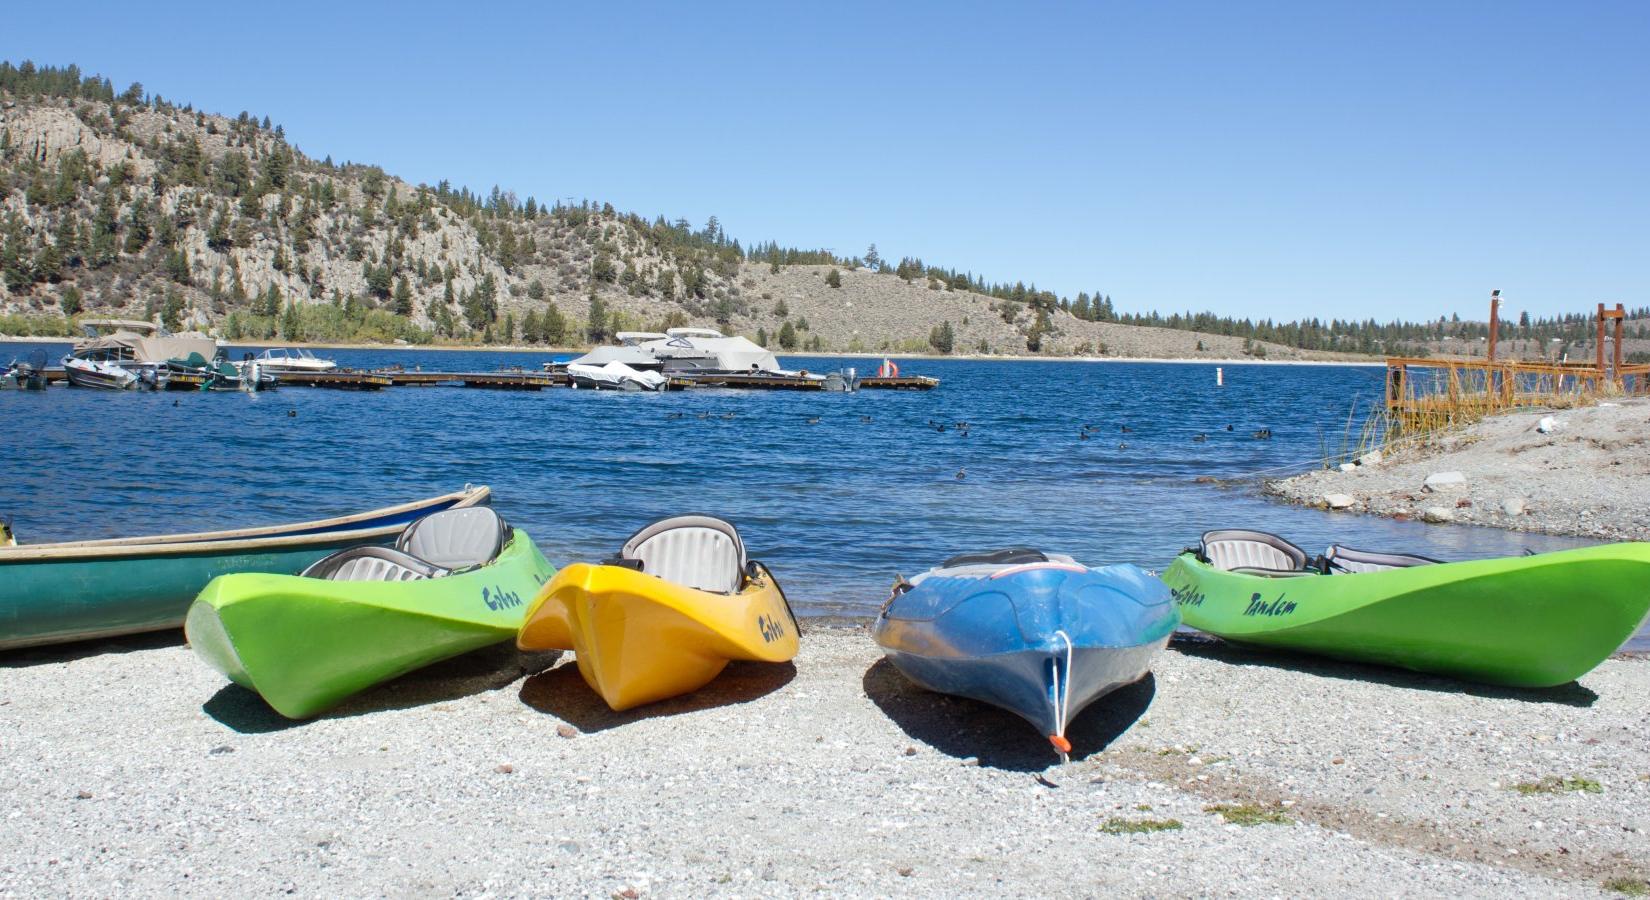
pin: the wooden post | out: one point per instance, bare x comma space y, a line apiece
1495, 319
1601, 338
1621, 318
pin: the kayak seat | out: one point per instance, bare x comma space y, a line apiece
436, 545
456, 538
1230, 549
372, 564
1345, 560
1008, 556
699, 552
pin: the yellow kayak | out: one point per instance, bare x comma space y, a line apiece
666, 616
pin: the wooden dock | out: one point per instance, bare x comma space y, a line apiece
337, 380
507, 381
899, 383
758, 382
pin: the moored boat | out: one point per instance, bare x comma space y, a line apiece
1037, 634
666, 616
26, 374
280, 360
456, 581
141, 348
615, 376
91, 373
1524, 621
76, 590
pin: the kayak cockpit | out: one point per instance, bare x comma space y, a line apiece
1245, 552
439, 544
700, 552
1338, 560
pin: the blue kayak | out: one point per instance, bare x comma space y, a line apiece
1037, 634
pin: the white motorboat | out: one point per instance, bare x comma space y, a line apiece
91, 373
615, 376
283, 360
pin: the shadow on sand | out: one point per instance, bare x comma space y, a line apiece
964, 728
488, 669
1201, 645
63, 653
561, 692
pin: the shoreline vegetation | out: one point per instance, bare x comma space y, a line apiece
129, 204
828, 354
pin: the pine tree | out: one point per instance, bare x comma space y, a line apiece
941, 337
403, 298
787, 336
833, 279
596, 327
554, 325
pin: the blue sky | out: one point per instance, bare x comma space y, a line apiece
1257, 159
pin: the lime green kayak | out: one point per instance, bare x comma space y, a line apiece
1526, 621
307, 643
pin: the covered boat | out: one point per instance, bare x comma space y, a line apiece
615, 376
455, 581
686, 351
1524, 621
138, 346
666, 615
1037, 634
77, 590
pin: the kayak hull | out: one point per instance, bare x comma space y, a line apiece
1043, 642
305, 644
638, 639
1531, 621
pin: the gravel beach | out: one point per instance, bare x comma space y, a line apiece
1584, 476
132, 769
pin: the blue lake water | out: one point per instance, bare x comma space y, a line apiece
835, 508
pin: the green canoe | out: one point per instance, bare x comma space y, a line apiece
1526, 621
306, 643
77, 590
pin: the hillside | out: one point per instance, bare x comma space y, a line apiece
133, 206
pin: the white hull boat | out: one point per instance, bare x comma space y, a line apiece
615, 376
284, 361
89, 373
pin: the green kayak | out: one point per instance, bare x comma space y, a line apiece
364, 616
1525, 621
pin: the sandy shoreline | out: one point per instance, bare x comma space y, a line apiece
133, 769
1586, 477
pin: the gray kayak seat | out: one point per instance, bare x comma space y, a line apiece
456, 538
1348, 561
372, 564
699, 552
1252, 552
436, 545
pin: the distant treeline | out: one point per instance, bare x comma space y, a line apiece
99, 226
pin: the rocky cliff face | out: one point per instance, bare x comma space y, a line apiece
120, 207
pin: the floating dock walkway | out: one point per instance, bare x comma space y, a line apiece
524, 380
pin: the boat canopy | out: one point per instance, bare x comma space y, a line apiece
634, 357
637, 337
684, 349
